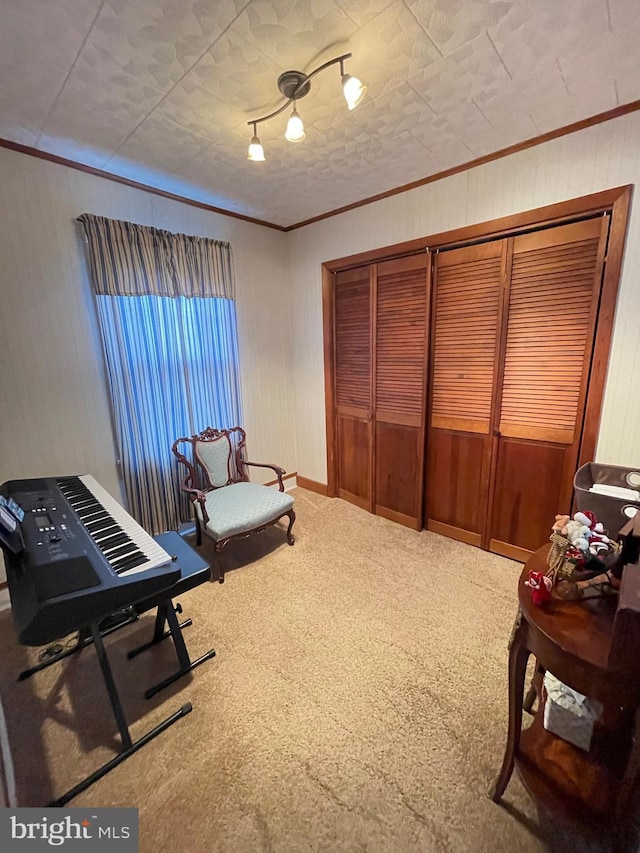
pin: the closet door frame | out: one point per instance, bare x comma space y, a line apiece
615, 201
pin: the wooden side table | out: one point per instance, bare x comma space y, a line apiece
572, 640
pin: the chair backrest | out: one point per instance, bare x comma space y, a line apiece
214, 458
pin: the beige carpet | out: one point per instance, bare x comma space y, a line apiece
357, 702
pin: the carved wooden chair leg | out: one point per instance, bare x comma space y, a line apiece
198, 530
221, 562
518, 657
290, 537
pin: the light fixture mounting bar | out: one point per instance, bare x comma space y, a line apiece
301, 89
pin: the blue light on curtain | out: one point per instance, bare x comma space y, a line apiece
172, 368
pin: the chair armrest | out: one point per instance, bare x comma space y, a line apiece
276, 468
199, 496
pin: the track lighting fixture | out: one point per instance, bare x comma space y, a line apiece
295, 85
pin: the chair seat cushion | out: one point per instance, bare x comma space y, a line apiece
241, 507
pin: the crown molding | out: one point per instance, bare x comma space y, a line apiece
100, 173
616, 112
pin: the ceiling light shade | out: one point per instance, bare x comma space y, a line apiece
295, 128
353, 90
256, 151
294, 85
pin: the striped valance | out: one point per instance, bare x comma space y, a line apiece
135, 260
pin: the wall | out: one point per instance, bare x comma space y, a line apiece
54, 410
601, 157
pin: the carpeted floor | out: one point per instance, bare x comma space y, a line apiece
357, 702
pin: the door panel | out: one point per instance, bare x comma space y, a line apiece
465, 331
550, 318
354, 460
457, 475
468, 286
528, 481
401, 288
398, 489
352, 366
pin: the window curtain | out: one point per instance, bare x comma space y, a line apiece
167, 313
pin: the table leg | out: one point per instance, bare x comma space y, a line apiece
535, 690
518, 657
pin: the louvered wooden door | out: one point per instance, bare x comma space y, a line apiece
467, 299
401, 328
353, 385
550, 319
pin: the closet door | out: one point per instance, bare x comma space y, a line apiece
353, 385
553, 296
401, 327
465, 342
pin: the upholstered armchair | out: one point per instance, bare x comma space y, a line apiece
225, 504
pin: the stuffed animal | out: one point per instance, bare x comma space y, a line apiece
540, 586
560, 524
583, 531
597, 541
578, 532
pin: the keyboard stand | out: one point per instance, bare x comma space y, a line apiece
167, 613
194, 571
128, 746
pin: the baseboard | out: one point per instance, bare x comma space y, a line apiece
398, 517
512, 552
356, 500
285, 478
312, 486
454, 532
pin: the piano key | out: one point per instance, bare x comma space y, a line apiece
93, 510
129, 563
123, 543
128, 549
105, 543
102, 527
155, 555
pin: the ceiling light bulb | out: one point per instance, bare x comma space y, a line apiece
353, 90
295, 128
256, 151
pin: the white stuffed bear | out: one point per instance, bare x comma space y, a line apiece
587, 534
578, 532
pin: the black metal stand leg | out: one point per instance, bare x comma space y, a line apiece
128, 746
112, 690
84, 639
118, 759
184, 661
159, 632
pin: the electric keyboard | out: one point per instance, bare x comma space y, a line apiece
76, 557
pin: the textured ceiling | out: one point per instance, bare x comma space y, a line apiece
160, 91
